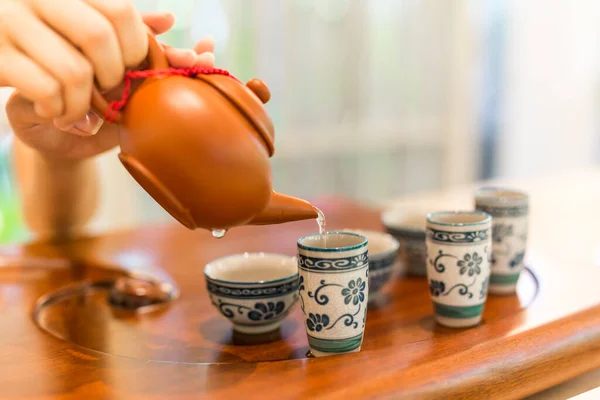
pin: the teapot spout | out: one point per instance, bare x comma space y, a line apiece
283, 208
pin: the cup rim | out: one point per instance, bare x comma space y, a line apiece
395, 244
487, 218
363, 243
386, 218
248, 255
486, 195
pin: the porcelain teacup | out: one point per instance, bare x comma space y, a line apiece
383, 256
254, 291
334, 291
509, 209
408, 227
459, 251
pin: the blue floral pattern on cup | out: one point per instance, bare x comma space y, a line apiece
436, 288
316, 322
354, 292
265, 311
517, 259
501, 231
470, 264
260, 312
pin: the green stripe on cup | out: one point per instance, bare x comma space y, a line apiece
458, 312
334, 345
496, 279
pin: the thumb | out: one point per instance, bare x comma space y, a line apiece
88, 126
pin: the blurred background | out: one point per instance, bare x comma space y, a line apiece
376, 99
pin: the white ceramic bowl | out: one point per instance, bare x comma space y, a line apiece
254, 291
383, 254
408, 227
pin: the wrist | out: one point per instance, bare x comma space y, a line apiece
59, 194
58, 162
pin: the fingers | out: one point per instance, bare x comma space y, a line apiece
129, 27
180, 58
205, 60
19, 71
69, 67
158, 23
91, 32
202, 56
205, 48
70, 41
205, 45
110, 34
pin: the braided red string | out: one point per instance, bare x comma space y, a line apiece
115, 106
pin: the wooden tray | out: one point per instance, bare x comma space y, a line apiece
546, 334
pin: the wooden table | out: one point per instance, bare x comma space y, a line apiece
547, 334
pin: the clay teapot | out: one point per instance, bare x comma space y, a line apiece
200, 146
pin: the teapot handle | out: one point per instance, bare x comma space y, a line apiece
157, 60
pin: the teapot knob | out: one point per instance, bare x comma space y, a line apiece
260, 89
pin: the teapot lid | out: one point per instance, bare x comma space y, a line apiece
249, 100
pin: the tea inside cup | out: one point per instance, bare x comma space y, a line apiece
459, 218
499, 196
254, 291
251, 268
332, 241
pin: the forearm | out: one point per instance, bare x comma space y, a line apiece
59, 196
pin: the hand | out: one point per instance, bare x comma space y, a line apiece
51, 51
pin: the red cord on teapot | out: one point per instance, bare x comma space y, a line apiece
115, 106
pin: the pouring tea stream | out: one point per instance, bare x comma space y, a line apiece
198, 141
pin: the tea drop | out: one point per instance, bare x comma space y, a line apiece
321, 221
219, 233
